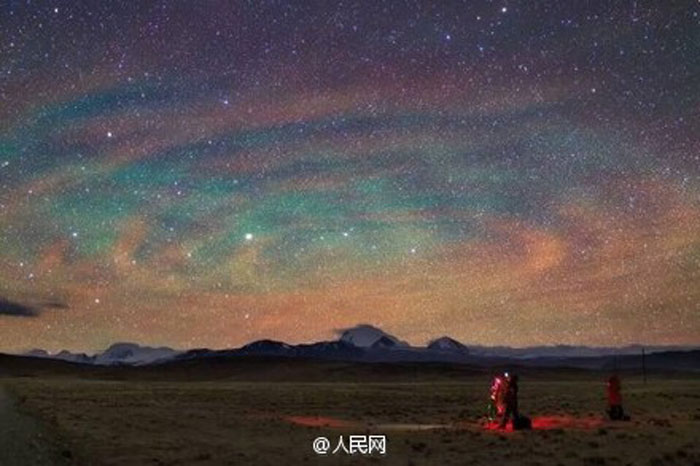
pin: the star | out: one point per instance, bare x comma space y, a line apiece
339, 165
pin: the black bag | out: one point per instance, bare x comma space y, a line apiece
522, 423
616, 413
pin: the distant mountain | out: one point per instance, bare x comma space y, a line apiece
117, 354
567, 351
64, 355
337, 350
448, 344
365, 336
266, 348
367, 343
133, 354
80, 358
37, 353
334, 350
662, 360
384, 342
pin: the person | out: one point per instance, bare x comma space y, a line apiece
614, 392
496, 405
510, 401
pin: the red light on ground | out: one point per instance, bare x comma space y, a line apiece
319, 421
493, 425
553, 422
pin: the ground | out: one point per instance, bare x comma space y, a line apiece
23, 441
128, 422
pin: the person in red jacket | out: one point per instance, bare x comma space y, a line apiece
614, 392
510, 401
496, 406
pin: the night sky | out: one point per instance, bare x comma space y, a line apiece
209, 173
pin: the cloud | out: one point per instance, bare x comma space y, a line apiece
12, 308
17, 309
55, 305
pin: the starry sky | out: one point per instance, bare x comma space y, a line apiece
209, 173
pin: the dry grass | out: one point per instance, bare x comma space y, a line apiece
213, 423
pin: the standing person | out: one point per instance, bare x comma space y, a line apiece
496, 406
614, 393
510, 400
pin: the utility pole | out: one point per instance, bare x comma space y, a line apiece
644, 366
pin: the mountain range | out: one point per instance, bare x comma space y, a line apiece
366, 343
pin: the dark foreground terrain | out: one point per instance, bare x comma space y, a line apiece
268, 411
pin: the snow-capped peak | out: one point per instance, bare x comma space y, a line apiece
131, 353
365, 336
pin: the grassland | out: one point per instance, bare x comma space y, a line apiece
219, 422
